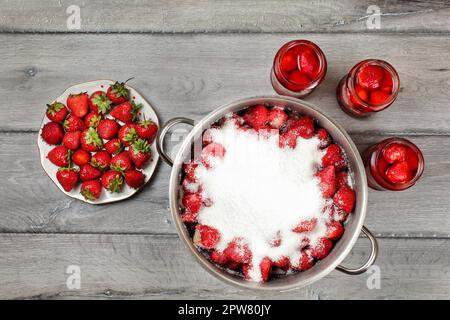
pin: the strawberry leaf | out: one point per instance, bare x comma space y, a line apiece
102, 102
119, 89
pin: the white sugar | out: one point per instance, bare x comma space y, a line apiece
260, 191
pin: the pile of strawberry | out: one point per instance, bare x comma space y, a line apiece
373, 84
102, 135
300, 65
398, 163
333, 176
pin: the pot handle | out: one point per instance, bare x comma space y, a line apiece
370, 261
162, 135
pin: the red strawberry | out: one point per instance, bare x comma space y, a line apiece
134, 178
67, 177
147, 130
305, 262
205, 236
78, 104
399, 173
303, 127
342, 179
122, 162
327, 179
288, 139
60, 156
56, 111
413, 160
92, 120
257, 116
238, 251
362, 93
232, 265
379, 97
265, 266
72, 140
382, 166
91, 190
189, 169
114, 146
334, 230
128, 134
299, 78
322, 248
52, 133
370, 77
101, 160
334, 157
277, 118
338, 214
387, 83
189, 217
192, 202
140, 153
107, 129
306, 226
283, 263
90, 141
218, 257
213, 150
117, 92
344, 198
72, 124
126, 112
288, 61
309, 63
246, 271
99, 102
112, 181
88, 172
394, 153
81, 157
324, 137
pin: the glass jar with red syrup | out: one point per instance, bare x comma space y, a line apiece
393, 164
298, 68
371, 86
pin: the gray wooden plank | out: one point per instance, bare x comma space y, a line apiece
191, 75
152, 267
32, 203
224, 16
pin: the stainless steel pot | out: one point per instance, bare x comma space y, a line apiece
354, 224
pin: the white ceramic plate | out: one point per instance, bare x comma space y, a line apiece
106, 196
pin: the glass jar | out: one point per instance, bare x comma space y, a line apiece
298, 68
393, 164
371, 86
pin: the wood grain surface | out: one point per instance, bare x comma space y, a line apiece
188, 58
193, 74
159, 267
190, 16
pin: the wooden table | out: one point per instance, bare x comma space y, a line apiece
189, 57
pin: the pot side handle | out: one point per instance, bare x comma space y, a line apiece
162, 134
370, 261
